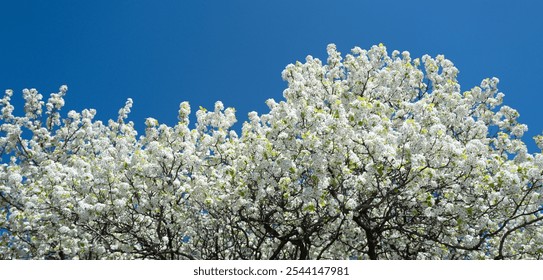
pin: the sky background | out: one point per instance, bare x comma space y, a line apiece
161, 53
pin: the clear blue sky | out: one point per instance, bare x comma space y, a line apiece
161, 53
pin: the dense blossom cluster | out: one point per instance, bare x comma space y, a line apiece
370, 156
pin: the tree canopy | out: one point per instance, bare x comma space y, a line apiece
369, 156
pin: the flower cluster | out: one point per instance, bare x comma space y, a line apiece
369, 156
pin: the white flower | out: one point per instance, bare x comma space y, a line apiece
150, 122
15, 178
64, 230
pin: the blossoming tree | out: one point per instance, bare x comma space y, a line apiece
370, 156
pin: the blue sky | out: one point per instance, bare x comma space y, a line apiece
161, 53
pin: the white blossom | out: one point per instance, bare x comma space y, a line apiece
368, 156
